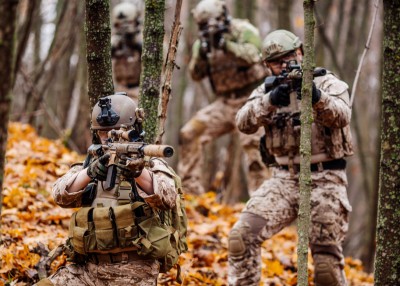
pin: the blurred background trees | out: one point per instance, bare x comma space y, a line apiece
51, 91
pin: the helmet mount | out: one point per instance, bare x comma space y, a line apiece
107, 116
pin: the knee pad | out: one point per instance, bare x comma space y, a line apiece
328, 271
236, 246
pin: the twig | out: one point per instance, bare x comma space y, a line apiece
53, 121
353, 91
169, 68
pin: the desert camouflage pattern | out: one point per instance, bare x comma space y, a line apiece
275, 205
141, 273
126, 65
233, 74
330, 130
164, 196
208, 124
237, 67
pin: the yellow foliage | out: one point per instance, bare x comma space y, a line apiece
30, 215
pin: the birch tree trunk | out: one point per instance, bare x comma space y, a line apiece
98, 39
306, 119
152, 60
7, 50
387, 263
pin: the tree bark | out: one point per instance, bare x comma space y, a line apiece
306, 119
98, 39
168, 71
387, 265
152, 59
7, 65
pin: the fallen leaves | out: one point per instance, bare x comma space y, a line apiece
29, 216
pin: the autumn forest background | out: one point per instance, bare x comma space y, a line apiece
49, 130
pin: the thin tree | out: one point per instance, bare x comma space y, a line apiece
306, 119
387, 262
98, 39
7, 65
152, 59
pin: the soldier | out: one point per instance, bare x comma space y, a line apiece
276, 202
228, 54
126, 48
108, 234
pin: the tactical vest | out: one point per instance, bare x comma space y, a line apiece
127, 69
283, 133
114, 224
230, 74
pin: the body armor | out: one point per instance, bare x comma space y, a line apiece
229, 73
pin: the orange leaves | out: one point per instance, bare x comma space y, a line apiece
30, 216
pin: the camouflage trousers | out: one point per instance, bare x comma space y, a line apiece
208, 124
274, 206
142, 273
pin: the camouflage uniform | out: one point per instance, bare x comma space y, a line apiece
134, 269
233, 72
126, 49
276, 202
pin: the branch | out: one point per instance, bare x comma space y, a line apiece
353, 91
169, 68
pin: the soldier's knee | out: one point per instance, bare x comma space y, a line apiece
328, 266
249, 225
236, 245
190, 131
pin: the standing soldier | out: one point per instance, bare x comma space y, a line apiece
228, 53
126, 48
116, 237
276, 202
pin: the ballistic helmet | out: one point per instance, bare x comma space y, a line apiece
279, 43
209, 9
125, 13
112, 111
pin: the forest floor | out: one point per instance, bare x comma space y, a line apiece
29, 216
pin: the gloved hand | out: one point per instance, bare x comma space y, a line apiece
279, 96
132, 167
98, 168
316, 94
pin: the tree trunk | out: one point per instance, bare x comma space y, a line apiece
284, 19
7, 50
387, 265
306, 119
98, 40
152, 60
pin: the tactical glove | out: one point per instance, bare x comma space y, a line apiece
279, 96
132, 167
98, 168
316, 94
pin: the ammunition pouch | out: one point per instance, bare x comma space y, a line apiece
104, 230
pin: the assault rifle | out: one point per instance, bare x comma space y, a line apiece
124, 147
211, 35
292, 76
127, 42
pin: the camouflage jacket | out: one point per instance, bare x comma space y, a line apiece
126, 61
331, 137
164, 196
237, 66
